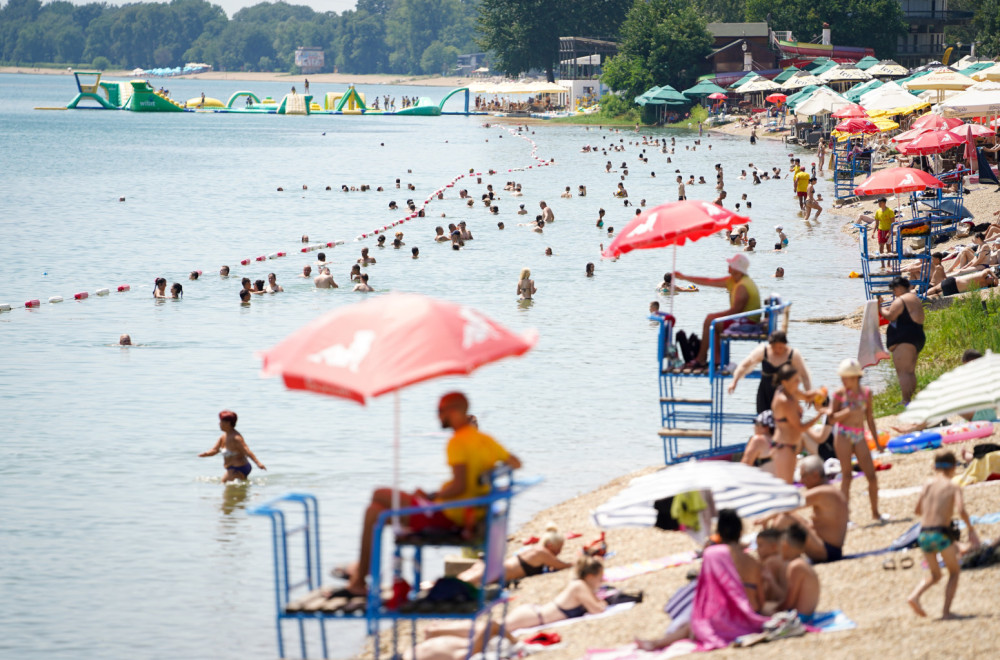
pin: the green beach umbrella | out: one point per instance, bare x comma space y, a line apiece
786, 74
703, 88
668, 94
867, 62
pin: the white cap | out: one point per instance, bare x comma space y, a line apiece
778, 228
739, 262
850, 367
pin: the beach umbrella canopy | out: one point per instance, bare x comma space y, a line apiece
823, 101
799, 81
855, 126
786, 74
717, 96
747, 77
895, 180
668, 94
887, 69
843, 72
866, 62
673, 223
850, 112
387, 343
981, 100
883, 124
703, 88
931, 142
758, 84
976, 130
887, 97
968, 388
940, 79
775, 98
750, 491
911, 134
935, 122
992, 73
855, 93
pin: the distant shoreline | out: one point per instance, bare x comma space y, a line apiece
250, 76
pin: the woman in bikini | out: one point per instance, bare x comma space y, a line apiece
236, 455
850, 410
536, 559
526, 285
789, 427
577, 598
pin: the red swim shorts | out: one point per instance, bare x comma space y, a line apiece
801, 194
883, 236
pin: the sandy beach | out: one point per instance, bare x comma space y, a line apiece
872, 596
319, 78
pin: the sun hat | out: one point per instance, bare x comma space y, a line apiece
765, 419
850, 367
778, 228
739, 262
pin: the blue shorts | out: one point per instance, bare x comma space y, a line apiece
242, 469
933, 540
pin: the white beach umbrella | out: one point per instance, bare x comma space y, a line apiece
758, 84
887, 68
839, 73
970, 387
750, 491
800, 80
940, 79
980, 100
887, 97
992, 73
823, 101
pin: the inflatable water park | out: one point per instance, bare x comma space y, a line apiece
93, 93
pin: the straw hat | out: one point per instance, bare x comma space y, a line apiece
850, 367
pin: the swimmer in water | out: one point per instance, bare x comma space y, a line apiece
176, 291
590, 269
306, 272
194, 275
439, 235
365, 259
415, 252
234, 450
355, 273
525, 285
224, 271
363, 286
244, 297
160, 288
325, 280
548, 252
272, 284
124, 340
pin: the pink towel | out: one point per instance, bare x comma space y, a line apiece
721, 611
871, 350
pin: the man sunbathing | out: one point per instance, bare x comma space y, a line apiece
954, 285
470, 453
937, 269
828, 528
802, 593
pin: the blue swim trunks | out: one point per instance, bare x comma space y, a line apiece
242, 469
933, 540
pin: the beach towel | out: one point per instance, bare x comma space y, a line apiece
826, 622
871, 350
907, 539
985, 519
619, 573
980, 470
721, 610
611, 611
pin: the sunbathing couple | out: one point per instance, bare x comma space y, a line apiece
736, 592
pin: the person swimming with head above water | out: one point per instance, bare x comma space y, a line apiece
235, 452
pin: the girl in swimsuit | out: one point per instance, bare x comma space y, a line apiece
234, 449
536, 559
789, 427
758, 450
851, 408
160, 288
576, 599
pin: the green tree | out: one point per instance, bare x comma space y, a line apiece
987, 28
438, 58
866, 23
663, 42
723, 11
524, 34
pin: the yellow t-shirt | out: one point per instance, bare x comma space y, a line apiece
478, 452
801, 181
753, 295
884, 218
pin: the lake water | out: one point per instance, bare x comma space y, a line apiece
117, 540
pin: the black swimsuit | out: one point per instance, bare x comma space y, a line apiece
767, 388
904, 330
528, 569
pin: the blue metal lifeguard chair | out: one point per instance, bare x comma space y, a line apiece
701, 418
299, 595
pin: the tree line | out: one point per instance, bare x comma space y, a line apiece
378, 36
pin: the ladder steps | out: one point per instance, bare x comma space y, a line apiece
685, 433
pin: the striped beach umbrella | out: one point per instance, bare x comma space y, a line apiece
750, 491
968, 388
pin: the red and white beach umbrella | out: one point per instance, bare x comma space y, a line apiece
931, 142
909, 135
775, 98
977, 130
852, 111
856, 125
936, 122
895, 180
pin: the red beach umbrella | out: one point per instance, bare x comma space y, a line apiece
387, 343
936, 122
977, 130
852, 111
931, 142
775, 98
717, 96
856, 125
673, 223
909, 135
894, 180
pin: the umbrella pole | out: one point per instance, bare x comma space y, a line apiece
395, 459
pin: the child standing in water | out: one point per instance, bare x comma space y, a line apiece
851, 409
936, 506
234, 450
